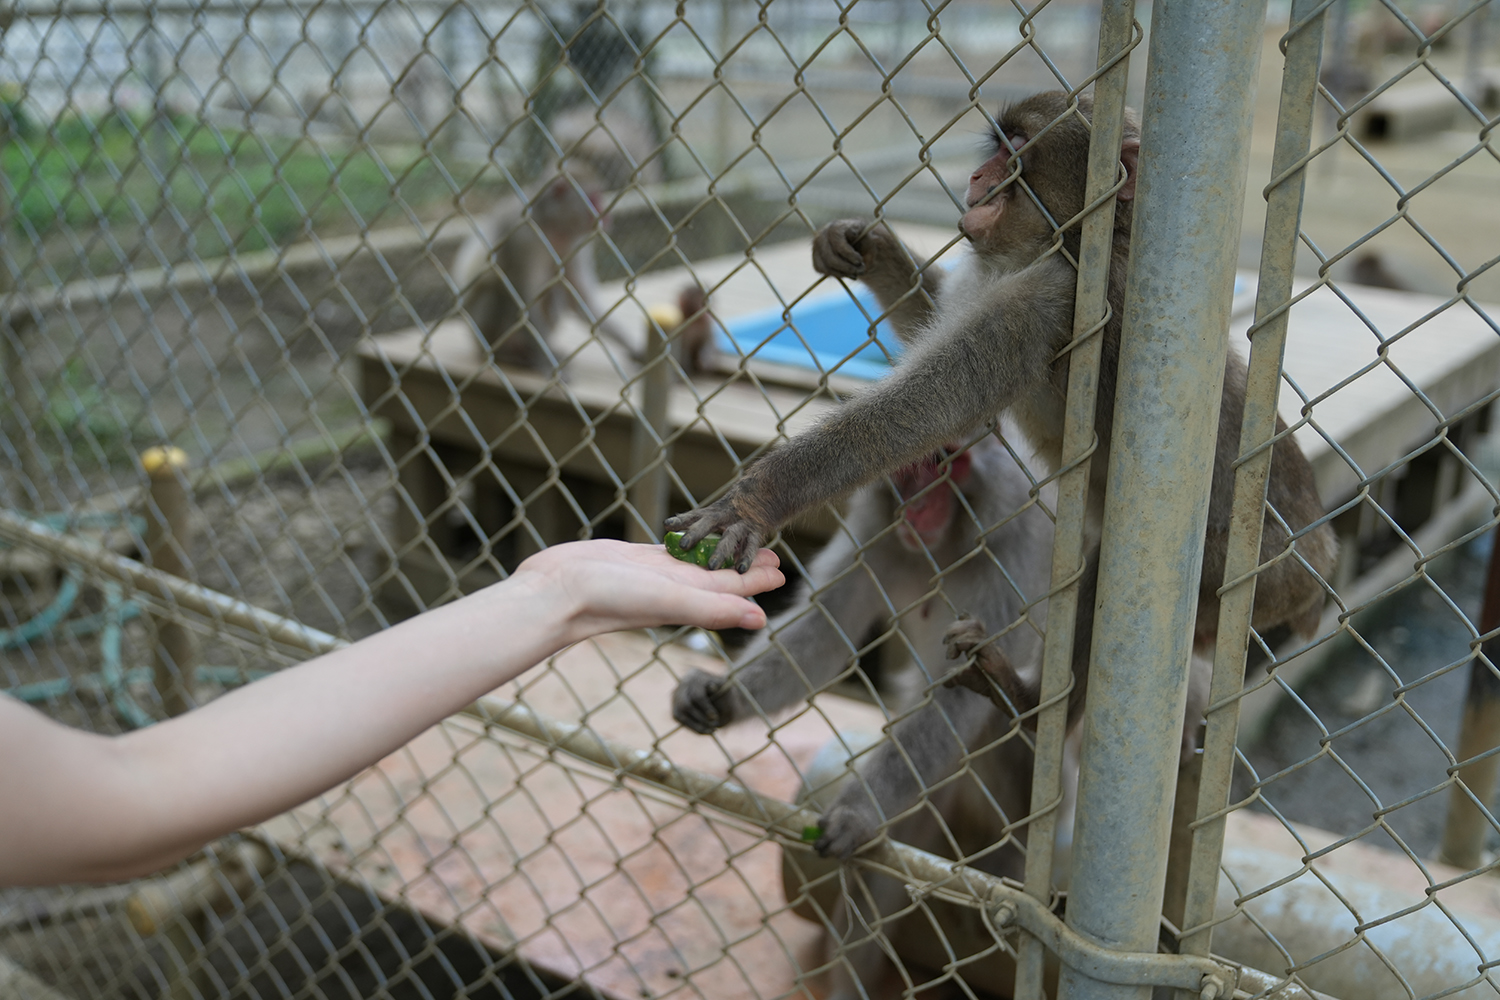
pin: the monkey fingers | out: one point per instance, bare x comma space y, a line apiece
695, 702
739, 541
990, 672
845, 830
834, 251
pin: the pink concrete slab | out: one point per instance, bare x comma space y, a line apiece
580, 875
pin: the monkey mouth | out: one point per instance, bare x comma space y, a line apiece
930, 505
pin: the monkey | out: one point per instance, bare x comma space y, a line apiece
1373, 269
908, 554
693, 343
528, 261
989, 337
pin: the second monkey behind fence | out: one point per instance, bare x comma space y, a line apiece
529, 261
961, 536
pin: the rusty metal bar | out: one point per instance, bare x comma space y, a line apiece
1468, 824
167, 539
648, 455
153, 584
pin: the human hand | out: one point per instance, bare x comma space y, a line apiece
606, 586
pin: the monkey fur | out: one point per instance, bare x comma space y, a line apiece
526, 262
693, 342
906, 554
989, 337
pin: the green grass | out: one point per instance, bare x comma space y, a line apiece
192, 188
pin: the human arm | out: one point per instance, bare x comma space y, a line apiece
84, 807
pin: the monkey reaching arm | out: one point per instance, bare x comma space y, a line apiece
971, 363
821, 639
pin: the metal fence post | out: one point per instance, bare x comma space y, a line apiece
648, 455
1200, 86
1117, 39
1467, 826
1303, 47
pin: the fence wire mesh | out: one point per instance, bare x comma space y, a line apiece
416, 289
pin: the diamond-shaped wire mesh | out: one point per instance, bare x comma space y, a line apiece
323, 249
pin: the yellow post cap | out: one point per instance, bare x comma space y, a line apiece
665, 315
160, 459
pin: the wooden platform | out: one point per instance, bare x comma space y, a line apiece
449, 406
1453, 358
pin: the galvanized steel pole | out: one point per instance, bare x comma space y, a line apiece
1200, 86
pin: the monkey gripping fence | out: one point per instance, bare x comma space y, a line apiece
228, 229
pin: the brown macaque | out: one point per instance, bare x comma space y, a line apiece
989, 337
909, 554
529, 261
1373, 269
693, 343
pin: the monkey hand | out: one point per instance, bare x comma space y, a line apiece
740, 532
849, 247
989, 672
703, 702
847, 828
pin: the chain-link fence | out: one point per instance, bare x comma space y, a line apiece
318, 315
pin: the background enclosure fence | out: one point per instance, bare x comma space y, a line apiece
253, 409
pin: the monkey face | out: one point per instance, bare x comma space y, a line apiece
987, 199
930, 506
1039, 154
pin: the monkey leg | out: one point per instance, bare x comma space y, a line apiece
805, 647
923, 748
864, 924
989, 671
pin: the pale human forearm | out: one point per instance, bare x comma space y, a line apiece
156, 794
82, 807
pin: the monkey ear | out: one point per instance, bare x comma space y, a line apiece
1130, 152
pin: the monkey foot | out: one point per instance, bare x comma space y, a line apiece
698, 703
845, 830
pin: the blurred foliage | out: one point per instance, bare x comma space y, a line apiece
94, 420
197, 189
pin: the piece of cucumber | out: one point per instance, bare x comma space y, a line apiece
698, 555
